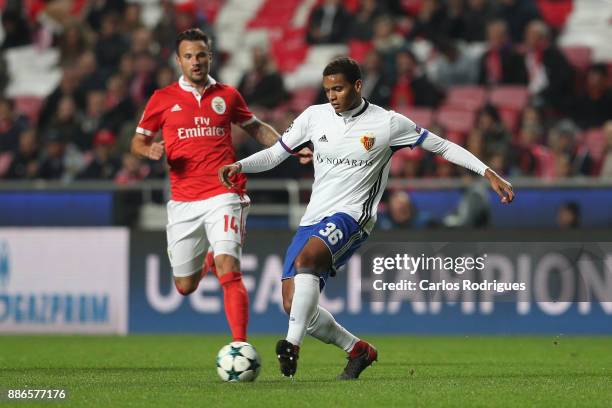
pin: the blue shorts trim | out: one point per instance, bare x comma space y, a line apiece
339, 232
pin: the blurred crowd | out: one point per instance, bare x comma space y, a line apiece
418, 58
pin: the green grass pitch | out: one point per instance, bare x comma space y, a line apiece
174, 370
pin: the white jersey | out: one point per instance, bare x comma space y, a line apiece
352, 153
351, 157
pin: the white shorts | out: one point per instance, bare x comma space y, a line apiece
220, 219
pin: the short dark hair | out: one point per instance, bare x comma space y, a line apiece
346, 66
192, 34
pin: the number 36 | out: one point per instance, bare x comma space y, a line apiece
332, 233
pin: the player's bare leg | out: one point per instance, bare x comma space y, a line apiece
186, 285
235, 296
323, 326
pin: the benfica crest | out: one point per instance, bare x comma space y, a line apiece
367, 141
218, 105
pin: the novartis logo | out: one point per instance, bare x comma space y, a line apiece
343, 161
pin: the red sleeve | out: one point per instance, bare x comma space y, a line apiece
240, 110
151, 120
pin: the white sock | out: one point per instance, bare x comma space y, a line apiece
324, 327
303, 306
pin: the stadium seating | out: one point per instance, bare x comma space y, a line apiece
309, 71
411, 7
579, 56
210, 8
511, 97
37, 79
274, 14
423, 117
510, 100
302, 98
595, 142
6, 159
456, 120
290, 49
29, 106
456, 137
510, 119
280, 28
545, 162
555, 12
359, 49
398, 160
352, 5
470, 97
589, 25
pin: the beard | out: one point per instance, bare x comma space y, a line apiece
198, 78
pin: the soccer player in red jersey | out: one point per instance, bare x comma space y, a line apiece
195, 115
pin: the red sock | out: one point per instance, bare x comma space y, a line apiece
236, 300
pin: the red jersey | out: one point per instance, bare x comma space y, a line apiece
197, 133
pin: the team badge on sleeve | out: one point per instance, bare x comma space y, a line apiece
367, 141
218, 105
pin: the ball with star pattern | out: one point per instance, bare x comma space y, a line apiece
238, 361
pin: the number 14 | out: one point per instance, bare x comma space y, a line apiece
230, 224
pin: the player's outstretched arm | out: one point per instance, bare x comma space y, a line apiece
256, 163
458, 155
267, 136
145, 148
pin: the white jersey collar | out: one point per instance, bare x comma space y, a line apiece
186, 85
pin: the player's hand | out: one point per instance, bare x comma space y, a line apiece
305, 155
500, 186
227, 172
156, 150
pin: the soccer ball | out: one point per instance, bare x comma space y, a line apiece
238, 361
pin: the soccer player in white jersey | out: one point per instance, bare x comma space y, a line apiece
353, 143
